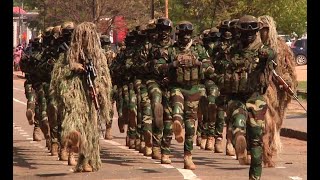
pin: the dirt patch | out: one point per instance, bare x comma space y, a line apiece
301, 73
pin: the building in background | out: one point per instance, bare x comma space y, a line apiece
21, 32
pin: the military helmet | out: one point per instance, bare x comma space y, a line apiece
67, 27
233, 23
248, 23
184, 26
164, 22
214, 32
105, 39
48, 31
205, 34
56, 31
225, 24
151, 24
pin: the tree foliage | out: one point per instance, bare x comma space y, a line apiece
291, 16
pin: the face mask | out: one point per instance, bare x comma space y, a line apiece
248, 36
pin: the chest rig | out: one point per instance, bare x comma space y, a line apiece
243, 73
188, 71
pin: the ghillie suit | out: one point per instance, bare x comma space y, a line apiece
276, 98
80, 118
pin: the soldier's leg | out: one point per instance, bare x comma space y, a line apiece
155, 95
212, 92
125, 110
257, 108
37, 135
167, 128
191, 104
132, 116
238, 117
53, 122
119, 104
202, 117
109, 124
44, 118
137, 86
147, 119
30, 95
177, 100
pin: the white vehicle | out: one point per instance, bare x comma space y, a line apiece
287, 39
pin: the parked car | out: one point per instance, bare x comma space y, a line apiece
287, 39
299, 48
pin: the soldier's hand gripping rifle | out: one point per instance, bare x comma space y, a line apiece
90, 76
286, 87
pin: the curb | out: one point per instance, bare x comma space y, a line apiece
290, 133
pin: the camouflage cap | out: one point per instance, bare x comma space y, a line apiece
68, 25
48, 31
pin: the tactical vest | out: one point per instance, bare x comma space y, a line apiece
188, 72
244, 74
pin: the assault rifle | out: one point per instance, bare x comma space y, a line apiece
286, 87
90, 76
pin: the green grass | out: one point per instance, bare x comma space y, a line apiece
302, 86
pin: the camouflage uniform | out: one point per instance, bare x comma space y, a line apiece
245, 79
185, 65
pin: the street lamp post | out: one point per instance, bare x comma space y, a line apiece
152, 9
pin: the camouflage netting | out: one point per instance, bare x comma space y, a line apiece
276, 98
79, 111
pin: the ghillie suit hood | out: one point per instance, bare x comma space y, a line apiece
80, 114
276, 98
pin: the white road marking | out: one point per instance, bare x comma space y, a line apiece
25, 135
29, 138
280, 167
16, 100
295, 177
20, 130
187, 174
18, 89
234, 157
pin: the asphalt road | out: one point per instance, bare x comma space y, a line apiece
31, 160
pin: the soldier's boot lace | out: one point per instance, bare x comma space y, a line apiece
165, 159
137, 144
188, 163
230, 151
37, 134
54, 149
156, 153
241, 148
218, 145
108, 135
203, 142
71, 160
209, 144
177, 130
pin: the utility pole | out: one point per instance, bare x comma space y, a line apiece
152, 9
94, 10
167, 8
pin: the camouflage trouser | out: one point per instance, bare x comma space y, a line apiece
30, 95
137, 88
41, 92
248, 115
208, 108
155, 96
146, 113
130, 106
221, 102
185, 102
113, 97
119, 104
167, 122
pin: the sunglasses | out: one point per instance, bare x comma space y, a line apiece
164, 22
185, 27
249, 26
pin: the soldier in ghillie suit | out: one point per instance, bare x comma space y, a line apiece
110, 55
88, 97
185, 65
55, 104
276, 97
246, 79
